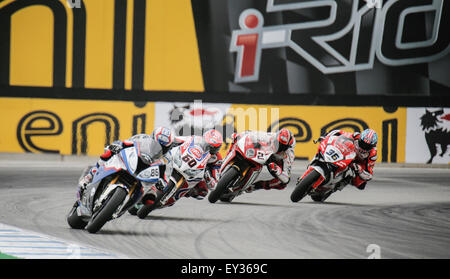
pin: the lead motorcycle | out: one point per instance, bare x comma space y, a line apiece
115, 187
187, 168
242, 166
330, 169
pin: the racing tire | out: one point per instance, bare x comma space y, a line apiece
321, 198
226, 198
222, 185
105, 213
133, 210
304, 186
147, 208
75, 221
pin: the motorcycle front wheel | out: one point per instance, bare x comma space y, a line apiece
105, 213
224, 182
304, 186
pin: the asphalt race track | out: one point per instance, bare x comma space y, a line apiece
403, 213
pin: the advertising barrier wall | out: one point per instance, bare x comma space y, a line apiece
86, 127
78, 74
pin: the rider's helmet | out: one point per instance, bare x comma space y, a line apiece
367, 140
284, 139
214, 140
164, 136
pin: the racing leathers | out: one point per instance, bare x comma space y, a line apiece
279, 166
201, 189
362, 165
159, 156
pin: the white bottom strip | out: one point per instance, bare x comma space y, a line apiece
31, 245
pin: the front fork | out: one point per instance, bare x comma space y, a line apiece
131, 197
178, 180
318, 181
245, 179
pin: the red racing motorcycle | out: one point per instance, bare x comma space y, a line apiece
242, 166
330, 169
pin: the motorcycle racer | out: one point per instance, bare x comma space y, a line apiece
366, 150
211, 141
279, 164
164, 136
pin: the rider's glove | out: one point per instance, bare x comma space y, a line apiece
116, 146
363, 174
274, 169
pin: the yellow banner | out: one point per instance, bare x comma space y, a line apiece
310, 122
69, 126
86, 126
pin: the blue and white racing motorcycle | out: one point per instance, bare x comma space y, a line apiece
116, 186
186, 169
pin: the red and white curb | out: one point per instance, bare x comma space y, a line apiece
31, 245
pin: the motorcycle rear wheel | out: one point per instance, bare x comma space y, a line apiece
105, 213
304, 186
224, 182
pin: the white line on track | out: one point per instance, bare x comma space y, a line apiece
30, 245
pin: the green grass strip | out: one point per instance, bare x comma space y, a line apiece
7, 257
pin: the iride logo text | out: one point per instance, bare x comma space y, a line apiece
250, 41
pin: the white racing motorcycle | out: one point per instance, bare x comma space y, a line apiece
187, 168
242, 166
115, 187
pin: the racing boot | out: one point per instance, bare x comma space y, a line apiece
267, 185
257, 186
149, 196
199, 192
86, 178
341, 184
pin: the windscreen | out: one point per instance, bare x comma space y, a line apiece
345, 144
262, 141
150, 150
